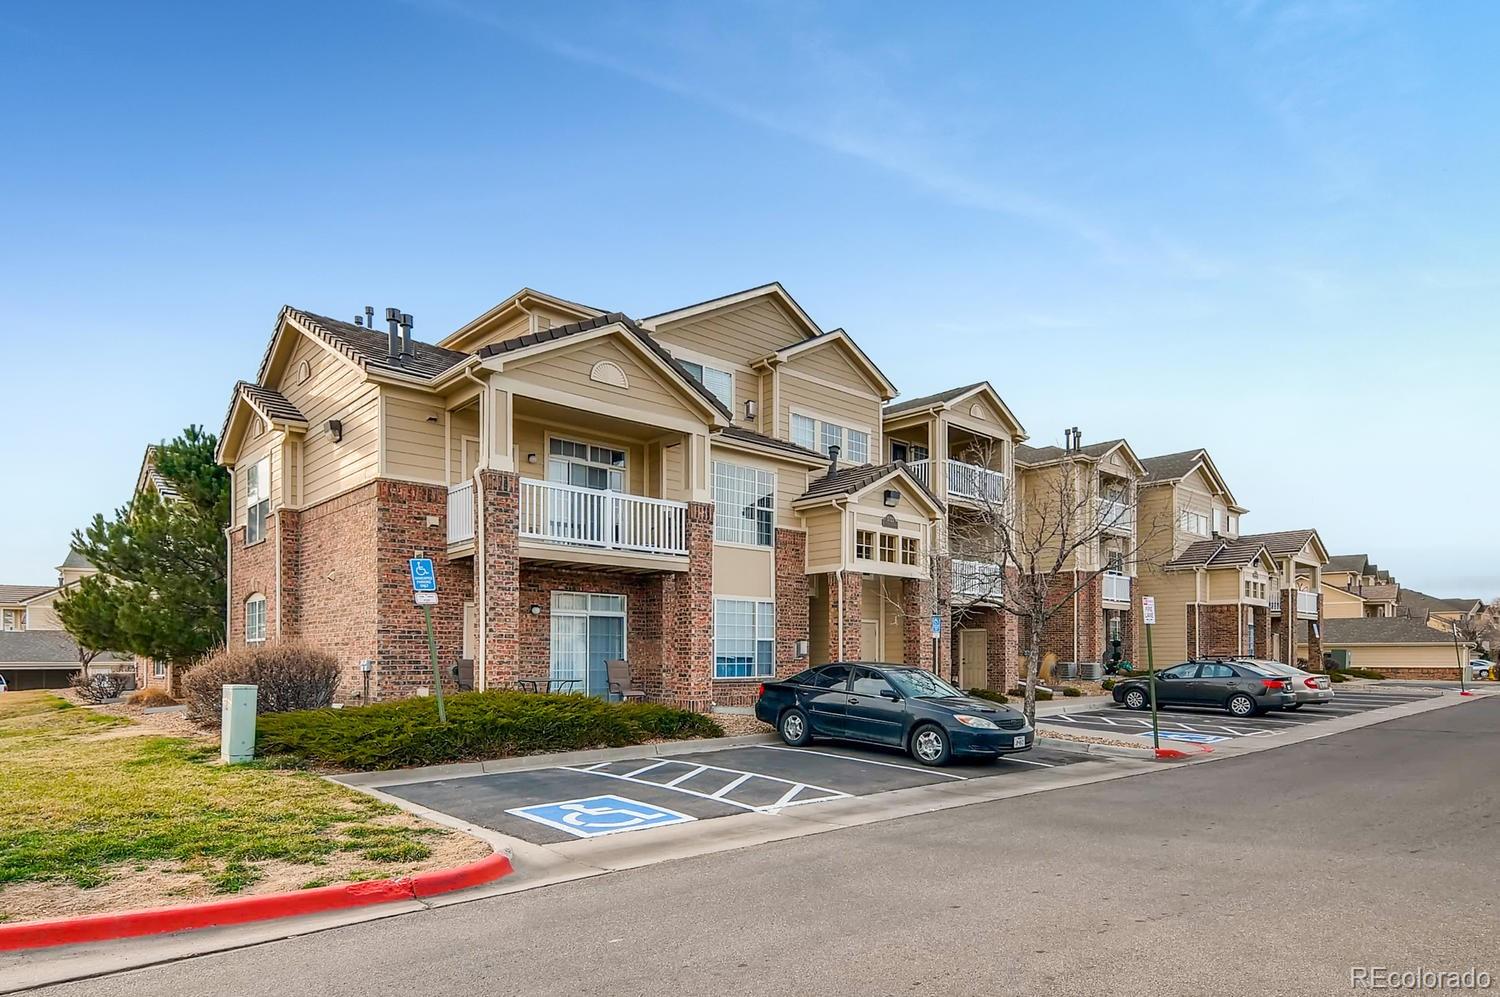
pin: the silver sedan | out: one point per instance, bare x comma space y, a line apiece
1310, 687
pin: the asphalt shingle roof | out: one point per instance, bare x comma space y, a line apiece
1347, 562
41, 647
273, 403
853, 477
1042, 455
1421, 603
751, 436
937, 398
1283, 542
164, 488
20, 593
1220, 552
370, 348
1377, 630
1170, 467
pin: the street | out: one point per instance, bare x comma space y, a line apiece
1271, 873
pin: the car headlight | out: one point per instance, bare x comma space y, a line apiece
979, 723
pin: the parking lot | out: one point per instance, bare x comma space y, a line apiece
1203, 725
551, 805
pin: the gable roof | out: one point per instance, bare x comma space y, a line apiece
1424, 604
76, 560
857, 477
20, 593
601, 322
369, 349
773, 290
1031, 456
148, 472
518, 301
1220, 552
951, 397
42, 647
1347, 562
1286, 543
1377, 630
829, 338
1172, 466
744, 435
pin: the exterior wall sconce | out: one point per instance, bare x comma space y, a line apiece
536, 610
750, 409
892, 497
801, 649
531, 458
336, 430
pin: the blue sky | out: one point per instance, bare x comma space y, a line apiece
1264, 228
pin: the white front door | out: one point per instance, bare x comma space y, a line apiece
587, 630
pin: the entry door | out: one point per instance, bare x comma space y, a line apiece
973, 652
869, 641
587, 631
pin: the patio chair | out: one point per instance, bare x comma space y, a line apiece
619, 681
462, 673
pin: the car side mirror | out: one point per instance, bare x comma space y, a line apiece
890, 694
1162, 676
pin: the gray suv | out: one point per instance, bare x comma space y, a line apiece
1239, 687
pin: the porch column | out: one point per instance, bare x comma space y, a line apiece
497, 565
917, 610
853, 616
1315, 639
792, 622
688, 618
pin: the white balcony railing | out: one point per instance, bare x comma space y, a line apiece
1275, 600
1116, 587
977, 580
1307, 604
1116, 515
460, 513
968, 481
587, 517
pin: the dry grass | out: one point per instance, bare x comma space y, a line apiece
99, 813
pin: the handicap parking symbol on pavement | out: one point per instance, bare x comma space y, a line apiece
1180, 735
593, 816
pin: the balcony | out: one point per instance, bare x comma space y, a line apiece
1116, 587
586, 517
977, 581
1116, 515
460, 514
1275, 601
964, 481
1307, 605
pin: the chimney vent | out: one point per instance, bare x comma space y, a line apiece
406, 323
833, 459
393, 320
369, 316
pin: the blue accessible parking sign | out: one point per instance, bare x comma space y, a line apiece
598, 815
422, 577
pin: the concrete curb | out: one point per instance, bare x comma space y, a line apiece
1090, 748
522, 763
241, 910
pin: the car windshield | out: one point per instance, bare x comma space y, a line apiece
1261, 669
918, 684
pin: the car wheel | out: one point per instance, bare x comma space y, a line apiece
1134, 699
794, 728
930, 746
1241, 705
1294, 706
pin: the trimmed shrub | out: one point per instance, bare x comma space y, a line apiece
1019, 692
151, 697
1069, 690
288, 675
990, 694
480, 725
1107, 684
1345, 674
99, 687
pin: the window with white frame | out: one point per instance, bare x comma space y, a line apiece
720, 383
888, 548
864, 545
257, 500
1192, 522
910, 551
255, 619
585, 465
158, 669
744, 638
12, 619
744, 504
821, 435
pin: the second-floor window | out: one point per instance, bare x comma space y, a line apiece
257, 500
572, 463
744, 504
720, 383
821, 435
12, 619
1193, 522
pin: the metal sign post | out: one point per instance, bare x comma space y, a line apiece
1148, 616
1463, 687
424, 593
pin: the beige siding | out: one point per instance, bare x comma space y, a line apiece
413, 436
567, 370
740, 335
462, 423
1172, 591
41, 614
853, 411
1341, 605
791, 481
1225, 585
251, 451
531, 438
1392, 658
831, 363
334, 390
743, 572
825, 538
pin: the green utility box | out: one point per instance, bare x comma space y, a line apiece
237, 724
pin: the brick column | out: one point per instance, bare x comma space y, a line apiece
688, 618
1262, 616
791, 600
1220, 629
1315, 642
854, 590
498, 567
287, 540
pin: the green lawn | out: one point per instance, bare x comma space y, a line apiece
83, 802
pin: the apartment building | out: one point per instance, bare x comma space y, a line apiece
1218, 591
35, 651
1095, 591
708, 493
1354, 587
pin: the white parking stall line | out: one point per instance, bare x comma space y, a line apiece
632, 775
686, 775
733, 785
721, 795
1027, 761
851, 758
676, 789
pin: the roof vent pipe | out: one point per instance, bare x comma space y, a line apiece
369, 316
393, 320
359, 320
833, 459
406, 335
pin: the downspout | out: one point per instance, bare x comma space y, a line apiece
839, 580
481, 671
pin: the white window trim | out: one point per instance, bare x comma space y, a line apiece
756, 605
259, 498
712, 481
158, 668
873, 437
623, 614
564, 435
261, 599
722, 366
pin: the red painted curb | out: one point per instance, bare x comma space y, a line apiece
1175, 754
241, 910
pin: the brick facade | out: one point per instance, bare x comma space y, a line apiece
498, 561
792, 620
854, 592
918, 598
687, 606
335, 583
1214, 630
1002, 650
1076, 629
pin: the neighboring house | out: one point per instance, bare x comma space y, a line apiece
150, 672
1212, 589
590, 487
1354, 587
35, 652
1440, 614
1295, 590
962, 443
1103, 571
1399, 647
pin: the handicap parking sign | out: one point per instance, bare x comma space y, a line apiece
422, 577
598, 815
1179, 735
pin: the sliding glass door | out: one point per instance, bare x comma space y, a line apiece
587, 631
